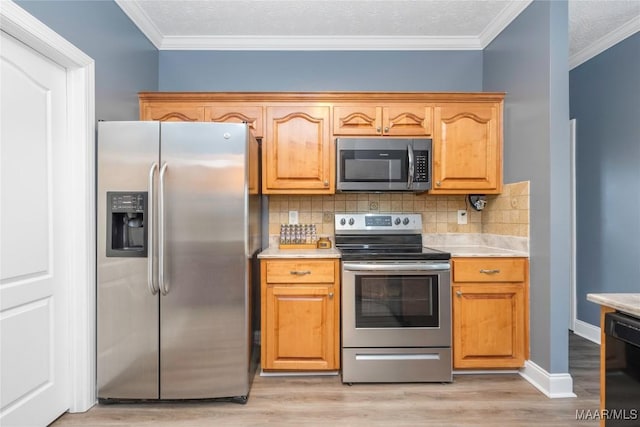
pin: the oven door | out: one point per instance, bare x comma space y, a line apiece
396, 304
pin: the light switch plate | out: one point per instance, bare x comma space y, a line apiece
293, 217
462, 217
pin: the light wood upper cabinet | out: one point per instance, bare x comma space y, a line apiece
172, 113
299, 128
252, 115
490, 315
375, 120
467, 148
300, 320
298, 154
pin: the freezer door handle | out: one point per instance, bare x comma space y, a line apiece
164, 286
151, 282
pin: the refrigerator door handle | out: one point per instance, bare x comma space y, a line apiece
151, 282
164, 287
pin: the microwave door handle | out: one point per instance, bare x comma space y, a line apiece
411, 167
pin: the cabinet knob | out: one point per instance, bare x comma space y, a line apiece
326, 183
438, 183
458, 293
386, 129
378, 129
331, 295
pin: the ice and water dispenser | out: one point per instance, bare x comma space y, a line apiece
126, 224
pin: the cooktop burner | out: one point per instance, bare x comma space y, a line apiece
363, 237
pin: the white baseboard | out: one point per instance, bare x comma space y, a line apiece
587, 330
553, 386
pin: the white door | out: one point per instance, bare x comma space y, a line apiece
35, 261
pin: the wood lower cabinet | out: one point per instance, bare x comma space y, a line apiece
298, 154
300, 314
490, 312
467, 148
389, 120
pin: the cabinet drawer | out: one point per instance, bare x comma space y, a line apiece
489, 270
300, 271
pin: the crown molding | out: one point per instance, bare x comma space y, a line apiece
604, 43
502, 21
140, 18
319, 43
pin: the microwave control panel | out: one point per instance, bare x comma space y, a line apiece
421, 167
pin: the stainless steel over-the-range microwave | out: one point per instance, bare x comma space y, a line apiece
383, 164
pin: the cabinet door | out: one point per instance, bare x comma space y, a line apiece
363, 120
407, 120
252, 115
298, 156
467, 149
489, 325
374, 120
173, 113
299, 330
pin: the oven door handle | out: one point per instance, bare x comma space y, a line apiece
350, 266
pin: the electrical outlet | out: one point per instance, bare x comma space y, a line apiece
293, 217
462, 217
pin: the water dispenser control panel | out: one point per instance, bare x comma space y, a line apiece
128, 202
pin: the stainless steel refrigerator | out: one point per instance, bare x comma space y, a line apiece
178, 218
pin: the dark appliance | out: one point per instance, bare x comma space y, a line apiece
622, 366
396, 301
383, 164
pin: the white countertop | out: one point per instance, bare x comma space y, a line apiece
276, 252
627, 302
478, 244
479, 251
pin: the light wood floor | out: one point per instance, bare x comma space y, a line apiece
471, 400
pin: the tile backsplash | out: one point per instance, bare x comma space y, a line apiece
506, 214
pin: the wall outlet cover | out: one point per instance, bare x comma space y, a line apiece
462, 217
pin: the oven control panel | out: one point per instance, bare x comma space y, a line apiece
382, 223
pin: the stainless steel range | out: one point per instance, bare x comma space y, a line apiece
396, 301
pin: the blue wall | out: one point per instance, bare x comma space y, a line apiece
529, 60
126, 62
275, 71
605, 101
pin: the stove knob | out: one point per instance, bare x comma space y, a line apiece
405, 221
397, 221
351, 221
343, 221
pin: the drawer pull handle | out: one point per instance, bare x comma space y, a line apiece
300, 273
494, 271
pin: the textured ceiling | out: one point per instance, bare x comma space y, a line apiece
366, 24
321, 18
